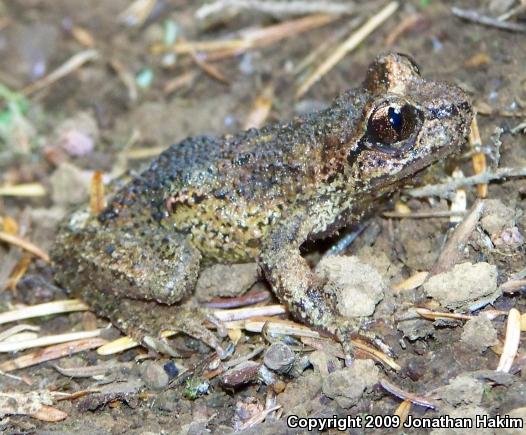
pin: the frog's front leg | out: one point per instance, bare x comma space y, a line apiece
297, 286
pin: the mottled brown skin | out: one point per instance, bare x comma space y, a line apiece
258, 195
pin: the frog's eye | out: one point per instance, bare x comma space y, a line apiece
390, 126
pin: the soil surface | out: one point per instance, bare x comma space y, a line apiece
129, 97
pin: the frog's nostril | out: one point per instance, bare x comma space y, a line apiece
464, 107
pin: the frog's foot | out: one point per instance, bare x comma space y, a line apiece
190, 322
145, 322
346, 328
192, 325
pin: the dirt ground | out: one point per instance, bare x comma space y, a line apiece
121, 96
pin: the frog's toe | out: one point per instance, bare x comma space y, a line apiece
374, 338
195, 328
344, 332
220, 327
160, 345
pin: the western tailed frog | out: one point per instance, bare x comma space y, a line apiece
257, 195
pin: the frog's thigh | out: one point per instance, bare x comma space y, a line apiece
292, 280
153, 265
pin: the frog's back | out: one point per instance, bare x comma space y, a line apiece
227, 192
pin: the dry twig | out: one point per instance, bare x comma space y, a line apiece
423, 214
444, 190
126, 78
404, 26
72, 64
478, 159
403, 411
511, 344
29, 189
212, 70
454, 246
434, 315
248, 38
18, 345
275, 8
96, 198
56, 307
50, 353
258, 115
347, 46
405, 395
249, 312
24, 244
412, 282
16, 330
475, 17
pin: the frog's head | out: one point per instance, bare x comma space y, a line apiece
408, 124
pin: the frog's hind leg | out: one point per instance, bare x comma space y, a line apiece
133, 277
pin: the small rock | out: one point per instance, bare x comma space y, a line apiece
479, 334
347, 385
462, 390
154, 375
415, 368
171, 369
301, 363
323, 363
78, 135
498, 378
509, 238
358, 287
514, 396
414, 329
496, 217
167, 401
70, 185
279, 357
300, 390
225, 280
380, 261
464, 285
197, 428
242, 374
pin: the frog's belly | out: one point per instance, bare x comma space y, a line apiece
230, 233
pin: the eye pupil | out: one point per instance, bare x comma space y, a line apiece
395, 118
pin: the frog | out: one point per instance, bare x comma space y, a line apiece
257, 196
